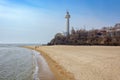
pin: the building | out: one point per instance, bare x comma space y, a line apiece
67, 23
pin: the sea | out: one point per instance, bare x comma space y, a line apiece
17, 63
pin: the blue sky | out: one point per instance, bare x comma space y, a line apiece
37, 21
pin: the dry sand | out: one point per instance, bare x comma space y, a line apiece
83, 62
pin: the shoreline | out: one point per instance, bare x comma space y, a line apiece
42, 70
35, 75
58, 71
82, 62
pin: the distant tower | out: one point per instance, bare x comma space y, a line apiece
67, 17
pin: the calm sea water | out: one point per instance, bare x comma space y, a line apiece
16, 64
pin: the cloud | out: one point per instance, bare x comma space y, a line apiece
27, 24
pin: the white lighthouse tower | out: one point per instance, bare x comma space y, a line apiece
68, 24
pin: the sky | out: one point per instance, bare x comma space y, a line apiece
37, 21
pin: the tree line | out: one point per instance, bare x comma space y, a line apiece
103, 36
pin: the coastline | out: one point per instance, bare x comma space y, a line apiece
82, 62
42, 71
58, 71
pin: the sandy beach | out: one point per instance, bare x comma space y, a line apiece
83, 62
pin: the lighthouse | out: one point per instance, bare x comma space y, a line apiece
67, 23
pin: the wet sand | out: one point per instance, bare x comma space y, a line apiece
83, 62
42, 69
